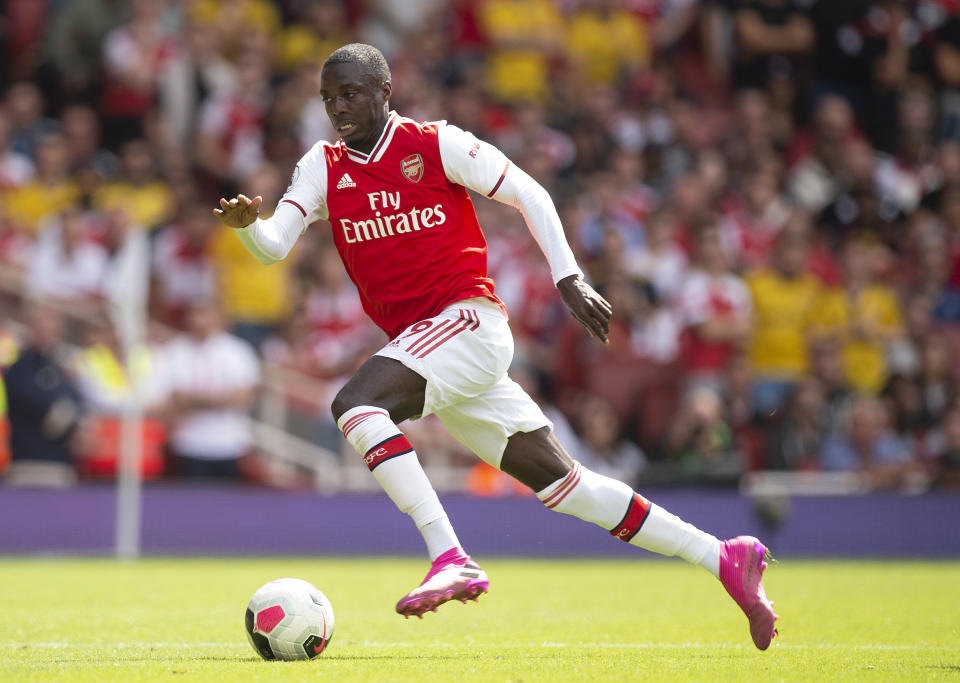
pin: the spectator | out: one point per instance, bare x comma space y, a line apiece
863, 316
255, 300
81, 128
73, 45
229, 130
237, 22
867, 201
211, 378
785, 301
343, 335
531, 134
716, 310
323, 28
817, 155
753, 218
904, 354
947, 453
524, 36
45, 407
794, 441
109, 383
607, 43
147, 200
862, 52
754, 131
65, 264
16, 168
867, 446
194, 71
654, 328
937, 383
134, 55
699, 441
603, 447
50, 192
828, 369
660, 260
28, 126
183, 269
767, 36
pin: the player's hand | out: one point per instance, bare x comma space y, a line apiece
588, 307
239, 212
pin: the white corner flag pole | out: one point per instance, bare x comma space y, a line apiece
128, 283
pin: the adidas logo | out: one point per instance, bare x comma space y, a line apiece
345, 182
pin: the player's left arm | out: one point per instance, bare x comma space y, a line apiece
486, 170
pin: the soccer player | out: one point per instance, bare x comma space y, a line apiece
394, 192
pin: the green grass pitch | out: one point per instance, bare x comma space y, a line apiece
182, 620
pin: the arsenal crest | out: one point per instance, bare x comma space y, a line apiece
412, 167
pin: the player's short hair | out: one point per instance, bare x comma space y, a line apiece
367, 56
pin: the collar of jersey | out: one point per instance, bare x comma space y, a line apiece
382, 143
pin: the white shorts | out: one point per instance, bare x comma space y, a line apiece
464, 353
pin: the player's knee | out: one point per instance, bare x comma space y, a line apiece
342, 402
536, 459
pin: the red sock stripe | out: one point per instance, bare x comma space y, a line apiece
636, 515
391, 448
569, 483
350, 424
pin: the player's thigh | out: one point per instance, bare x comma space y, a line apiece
460, 353
484, 423
385, 383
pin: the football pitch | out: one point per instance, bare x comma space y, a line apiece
182, 620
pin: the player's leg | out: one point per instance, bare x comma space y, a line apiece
432, 364
538, 460
381, 394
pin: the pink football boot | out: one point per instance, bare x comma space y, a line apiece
742, 561
452, 576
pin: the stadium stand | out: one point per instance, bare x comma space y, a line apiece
768, 192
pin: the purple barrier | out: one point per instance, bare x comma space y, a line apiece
192, 520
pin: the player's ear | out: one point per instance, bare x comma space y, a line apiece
387, 89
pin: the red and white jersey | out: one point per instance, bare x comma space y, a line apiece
402, 221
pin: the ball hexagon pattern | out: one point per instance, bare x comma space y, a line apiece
289, 619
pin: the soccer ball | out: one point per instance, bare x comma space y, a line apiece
289, 619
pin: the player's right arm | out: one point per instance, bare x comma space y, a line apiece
484, 169
305, 201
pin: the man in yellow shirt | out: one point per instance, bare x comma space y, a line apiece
256, 300
863, 316
50, 193
147, 200
785, 298
524, 36
606, 42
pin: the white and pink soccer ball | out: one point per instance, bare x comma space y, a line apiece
289, 619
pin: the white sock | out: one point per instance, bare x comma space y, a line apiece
667, 534
395, 466
630, 517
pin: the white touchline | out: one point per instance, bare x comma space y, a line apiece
473, 644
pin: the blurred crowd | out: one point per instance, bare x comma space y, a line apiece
768, 191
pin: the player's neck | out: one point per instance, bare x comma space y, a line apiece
367, 144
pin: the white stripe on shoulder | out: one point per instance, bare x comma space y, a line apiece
382, 142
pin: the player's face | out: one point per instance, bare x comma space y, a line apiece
355, 103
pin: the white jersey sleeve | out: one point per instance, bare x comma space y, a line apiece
308, 185
305, 201
483, 168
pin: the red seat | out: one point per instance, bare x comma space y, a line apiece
102, 458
